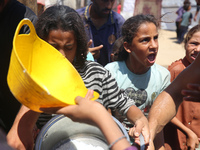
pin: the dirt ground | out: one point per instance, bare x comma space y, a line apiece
169, 50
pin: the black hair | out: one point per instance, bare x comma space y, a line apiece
186, 5
130, 29
67, 19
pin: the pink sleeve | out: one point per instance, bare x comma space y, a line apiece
131, 148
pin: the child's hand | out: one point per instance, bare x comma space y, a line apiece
192, 140
141, 127
82, 112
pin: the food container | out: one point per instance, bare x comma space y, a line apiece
61, 133
39, 75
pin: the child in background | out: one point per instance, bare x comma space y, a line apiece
179, 12
135, 70
185, 21
185, 133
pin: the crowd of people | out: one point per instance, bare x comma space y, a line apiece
116, 58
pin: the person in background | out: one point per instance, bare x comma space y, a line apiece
66, 33
185, 22
179, 12
119, 6
185, 133
102, 26
11, 13
135, 70
184, 87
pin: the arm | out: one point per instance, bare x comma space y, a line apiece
93, 113
190, 19
179, 9
192, 139
164, 108
20, 135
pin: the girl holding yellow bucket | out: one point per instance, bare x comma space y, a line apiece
62, 28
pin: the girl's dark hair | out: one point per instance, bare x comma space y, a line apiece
67, 19
130, 29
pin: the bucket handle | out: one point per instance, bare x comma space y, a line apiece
32, 34
25, 21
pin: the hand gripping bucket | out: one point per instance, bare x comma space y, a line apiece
39, 75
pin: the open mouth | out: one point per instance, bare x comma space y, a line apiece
151, 58
194, 55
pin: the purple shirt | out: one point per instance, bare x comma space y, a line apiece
179, 12
131, 148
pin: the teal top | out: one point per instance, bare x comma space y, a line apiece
90, 57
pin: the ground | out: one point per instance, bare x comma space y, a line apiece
169, 50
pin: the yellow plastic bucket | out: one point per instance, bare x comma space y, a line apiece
39, 75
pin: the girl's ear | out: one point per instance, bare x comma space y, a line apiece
127, 47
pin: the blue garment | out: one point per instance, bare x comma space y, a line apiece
143, 88
90, 57
105, 35
183, 31
179, 12
186, 18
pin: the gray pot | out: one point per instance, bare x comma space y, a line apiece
61, 133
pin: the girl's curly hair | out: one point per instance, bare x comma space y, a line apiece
67, 19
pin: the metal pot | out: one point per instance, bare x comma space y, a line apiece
62, 133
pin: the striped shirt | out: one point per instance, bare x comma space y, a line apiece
97, 78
